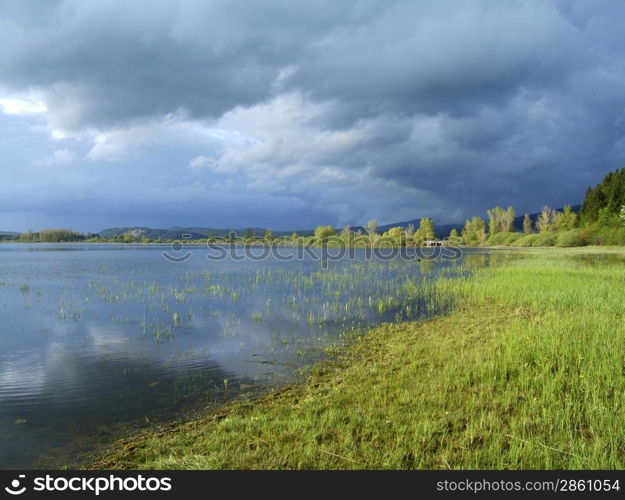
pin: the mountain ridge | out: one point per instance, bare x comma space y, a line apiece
196, 232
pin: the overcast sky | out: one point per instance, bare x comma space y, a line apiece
289, 114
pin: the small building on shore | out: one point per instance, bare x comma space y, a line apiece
433, 243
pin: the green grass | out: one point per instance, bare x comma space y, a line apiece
527, 372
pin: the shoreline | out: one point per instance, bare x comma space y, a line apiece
471, 389
610, 248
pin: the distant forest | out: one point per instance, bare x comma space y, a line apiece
599, 221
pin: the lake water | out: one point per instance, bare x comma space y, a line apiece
96, 340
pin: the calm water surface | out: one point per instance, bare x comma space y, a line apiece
95, 339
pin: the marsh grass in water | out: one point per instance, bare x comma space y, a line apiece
526, 372
118, 334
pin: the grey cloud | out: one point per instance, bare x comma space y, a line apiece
126, 60
113, 62
441, 107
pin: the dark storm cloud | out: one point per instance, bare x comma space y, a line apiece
124, 60
440, 107
114, 61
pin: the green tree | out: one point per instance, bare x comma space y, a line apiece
410, 231
130, 237
546, 220
474, 232
324, 232
372, 228
268, 235
500, 220
507, 223
607, 218
426, 230
608, 195
527, 224
565, 220
28, 236
397, 234
495, 216
59, 235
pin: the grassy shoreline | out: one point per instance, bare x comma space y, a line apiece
527, 372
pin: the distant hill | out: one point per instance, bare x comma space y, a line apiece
8, 235
197, 233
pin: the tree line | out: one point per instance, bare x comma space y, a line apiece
600, 221
51, 236
552, 227
398, 235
